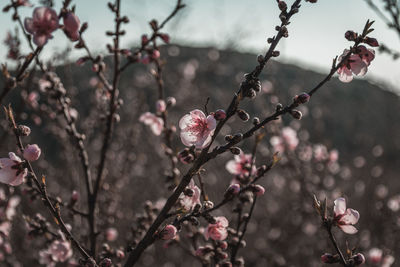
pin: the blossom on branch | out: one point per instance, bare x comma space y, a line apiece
43, 22
345, 218
197, 129
71, 26
241, 165
156, 123
12, 170
356, 64
189, 200
217, 230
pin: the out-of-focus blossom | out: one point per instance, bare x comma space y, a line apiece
32, 152
197, 129
12, 171
71, 26
12, 204
217, 231
189, 201
169, 232
288, 140
60, 250
359, 259
45, 258
259, 190
42, 24
375, 255
320, 152
111, 234
241, 165
155, 123
13, 44
23, 3
345, 218
333, 155
388, 260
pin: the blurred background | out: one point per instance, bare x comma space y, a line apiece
213, 44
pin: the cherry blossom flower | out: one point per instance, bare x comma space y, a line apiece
197, 129
188, 202
71, 26
345, 218
156, 123
43, 22
60, 250
241, 165
217, 231
320, 152
32, 152
12, 171
45, 258
169, 232
356, 64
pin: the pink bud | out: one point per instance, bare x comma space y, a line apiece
234, 188
302, 98
220, 114
350, 35
161, 106
71, 26
259, 190
120, 254
144, 39
111, 234
74, 196
223, 245
171, 101
155, 54
165, 38
32, 152
81, 61
169, 232
371, 42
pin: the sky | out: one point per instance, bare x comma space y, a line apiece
316, 34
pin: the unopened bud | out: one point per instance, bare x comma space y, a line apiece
220, 114
282, 5
23, 130
329, 258
302, 98
243, 115
235, 150
371, 42
296, 114
350, 36
359, 259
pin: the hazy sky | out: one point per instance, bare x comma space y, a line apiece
315, 34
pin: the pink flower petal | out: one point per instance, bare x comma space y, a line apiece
348, 229
340, 206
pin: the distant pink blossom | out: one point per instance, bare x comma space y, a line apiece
12, 171
217, 231
345, 218
42, 24
241, 165
60, 250
71, 26
188, 202
197, 129
375, 255
32, 152
156, 123
169, 232
320, 152
287, 140
111, 234
333, 155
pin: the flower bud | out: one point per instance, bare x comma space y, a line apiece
145, 39
232, 190
282, 5
74, 196
155, 54
359, 259
329, 258
169, 232
296, 114
220, 114
235, 150
256, 121
243, 115
371, 42
120, 254
106, 262
171, 101
161, 106
164, 37
32, 152
111, 234
259, 190
23, 130
302, 98
350, 36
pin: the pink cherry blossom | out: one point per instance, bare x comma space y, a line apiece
12, 171
156, 123
43, 22
217, 231
189, 202
45, 258
320, 152
356, 64
60, 250
71, 26
169, 232
32, 152
241, 165
367, 55
197, 129
345, 218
